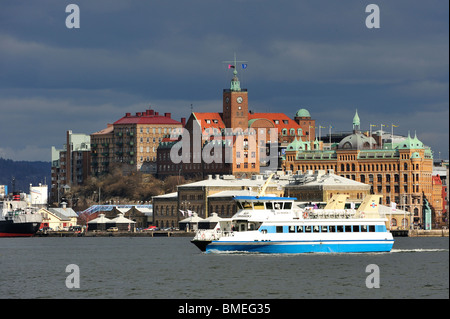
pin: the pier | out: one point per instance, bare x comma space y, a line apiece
158, 233
420, 233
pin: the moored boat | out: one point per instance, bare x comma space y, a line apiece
18, 219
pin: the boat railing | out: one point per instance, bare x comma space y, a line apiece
336, 214
331, 214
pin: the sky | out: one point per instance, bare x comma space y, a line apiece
129, 56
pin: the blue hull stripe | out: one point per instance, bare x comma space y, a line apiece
303, 247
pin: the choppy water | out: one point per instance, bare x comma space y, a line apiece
174, 268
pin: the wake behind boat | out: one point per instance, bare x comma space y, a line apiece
267, 224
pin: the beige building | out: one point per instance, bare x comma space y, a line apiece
132, 140
58, 218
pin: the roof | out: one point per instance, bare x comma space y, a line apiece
234, 182
107, 130
358, 141
63, 212
303, 113
101, 219
122, 220
147, 118
410, 143
209, 120
280, 120
327, 181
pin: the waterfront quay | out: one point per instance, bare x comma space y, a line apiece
154, 233
182, 233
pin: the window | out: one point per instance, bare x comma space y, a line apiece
332, 229
258, 205
355, 228
292, 229
340, 229
307, 229
363, 228
316, 229
279, 229
348, 228
299, 229
372, 228
324, 229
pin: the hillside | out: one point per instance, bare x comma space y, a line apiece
25, 173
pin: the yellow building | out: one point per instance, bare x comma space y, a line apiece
58, 218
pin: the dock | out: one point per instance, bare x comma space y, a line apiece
158, 233
420, 233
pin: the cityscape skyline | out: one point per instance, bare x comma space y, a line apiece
126, 57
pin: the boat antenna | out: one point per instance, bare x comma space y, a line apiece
263, 189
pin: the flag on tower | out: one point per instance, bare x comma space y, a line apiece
231, 66
244, 66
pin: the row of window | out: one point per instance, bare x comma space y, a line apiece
325, 229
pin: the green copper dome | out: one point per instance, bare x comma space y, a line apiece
303, 113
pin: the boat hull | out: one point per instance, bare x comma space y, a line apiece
9, 228
297, 247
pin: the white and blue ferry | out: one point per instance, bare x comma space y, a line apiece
269, 224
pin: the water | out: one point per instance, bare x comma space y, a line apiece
121, 267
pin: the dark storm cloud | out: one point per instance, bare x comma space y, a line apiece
129, 54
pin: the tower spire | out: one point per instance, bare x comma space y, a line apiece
235, 83
356, 122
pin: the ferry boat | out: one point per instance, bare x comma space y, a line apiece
18, 219
269, 224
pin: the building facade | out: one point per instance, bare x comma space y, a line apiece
132, 142
236, 141
400, 171
70, 165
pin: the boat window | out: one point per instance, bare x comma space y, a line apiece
247, 205
279, 229
340, 229
242, 227
356, 228
348, 228
316, 229
299, 229
292, 229
324, 229
364, 228
269, 205
239, 205
307, 229
287, 205
279, 205
258, 205
332, 229
372, 228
